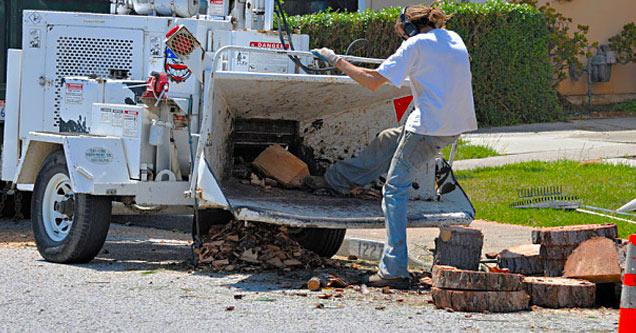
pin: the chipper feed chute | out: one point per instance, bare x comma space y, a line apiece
231, 95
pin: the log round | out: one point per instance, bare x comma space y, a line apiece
595, 260
523, 259
557, 251
553, 292
447, 277
459, 247
572, 235
553, 267
480, 301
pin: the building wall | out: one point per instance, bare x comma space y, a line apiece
605, 19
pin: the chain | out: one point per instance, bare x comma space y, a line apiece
3, 197
17, 205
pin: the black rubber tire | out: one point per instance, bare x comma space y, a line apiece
209, 218
324, 242
91, 219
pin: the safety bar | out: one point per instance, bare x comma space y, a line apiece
226, 48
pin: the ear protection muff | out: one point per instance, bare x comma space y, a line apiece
410, 29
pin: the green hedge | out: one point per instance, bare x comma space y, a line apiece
512, 72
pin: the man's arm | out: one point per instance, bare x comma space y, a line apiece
369, 78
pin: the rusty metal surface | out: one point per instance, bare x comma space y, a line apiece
303, 209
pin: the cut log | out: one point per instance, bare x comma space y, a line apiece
573, 235
553, 292
557, 251
459, 247
480, 301
277, 163
523, 259
315, 284
595, 260
553, 267
447, 277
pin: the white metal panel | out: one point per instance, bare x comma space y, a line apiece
297, 97
92, 159
80, 52
11, 144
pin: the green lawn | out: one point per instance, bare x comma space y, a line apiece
467, 151
493, 189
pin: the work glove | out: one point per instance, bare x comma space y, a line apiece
327, 55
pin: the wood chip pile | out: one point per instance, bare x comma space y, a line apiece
255, 246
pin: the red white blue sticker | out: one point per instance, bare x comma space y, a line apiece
175, 68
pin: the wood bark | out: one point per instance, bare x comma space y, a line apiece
553, 292
447, 277
277, 163
459, 247
573, 235
557, 251
595, 260
523, 259
480, 301
553, 267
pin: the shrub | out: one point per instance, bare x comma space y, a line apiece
625, 44
511, 67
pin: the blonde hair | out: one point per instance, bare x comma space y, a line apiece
431, 16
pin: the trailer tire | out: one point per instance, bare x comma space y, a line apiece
53, 203
324, 242
209, 218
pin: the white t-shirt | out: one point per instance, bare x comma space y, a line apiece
438, 68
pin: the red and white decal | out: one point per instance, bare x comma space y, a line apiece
269, 45
134, 113
75, 87
401, 105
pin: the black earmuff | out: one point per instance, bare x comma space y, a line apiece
410, 29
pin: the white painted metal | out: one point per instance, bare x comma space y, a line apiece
182, 8
628, 206
56, 224
11, 144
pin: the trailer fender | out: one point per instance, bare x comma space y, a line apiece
90, 160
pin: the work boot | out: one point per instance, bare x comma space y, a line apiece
376, 280
317, 183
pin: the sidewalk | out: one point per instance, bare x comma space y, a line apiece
612, 139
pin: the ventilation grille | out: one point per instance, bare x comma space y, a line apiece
81, 56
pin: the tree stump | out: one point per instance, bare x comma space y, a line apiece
458, 246
557, 243
553, 292
480, 301
447, 277
523, 259
595, 260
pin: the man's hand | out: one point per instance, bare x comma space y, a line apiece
327, 55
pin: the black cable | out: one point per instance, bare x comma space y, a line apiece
279, 13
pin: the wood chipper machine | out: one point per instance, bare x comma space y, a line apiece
155, 107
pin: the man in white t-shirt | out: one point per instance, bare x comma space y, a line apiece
437, 64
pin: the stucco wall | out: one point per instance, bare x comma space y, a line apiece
606, 19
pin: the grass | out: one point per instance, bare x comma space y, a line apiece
467, 151
573, 111
493, 189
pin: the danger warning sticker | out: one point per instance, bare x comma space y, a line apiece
74, 93
268, 45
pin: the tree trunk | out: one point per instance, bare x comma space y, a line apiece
523, 259
447, 277
480, 301
459, 247
573, 235
560, 292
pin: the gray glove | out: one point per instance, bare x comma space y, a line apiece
327, 55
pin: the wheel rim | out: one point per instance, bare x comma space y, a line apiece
57, 207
